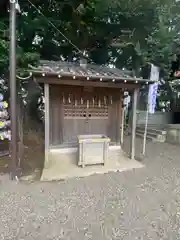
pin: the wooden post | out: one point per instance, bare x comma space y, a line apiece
13, 89
133, 129
122, 125
118, 120
46, 120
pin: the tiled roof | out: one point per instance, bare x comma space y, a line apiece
91, 71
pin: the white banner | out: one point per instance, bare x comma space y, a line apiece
126, 99
153, 88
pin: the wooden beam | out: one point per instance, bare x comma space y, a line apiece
88, 83
133, 129
46, 120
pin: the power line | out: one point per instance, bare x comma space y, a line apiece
68, 40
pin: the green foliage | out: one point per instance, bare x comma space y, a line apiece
4, 54
140, 28
127, 33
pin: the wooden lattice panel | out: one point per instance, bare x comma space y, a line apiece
85, 110
86, 106
76, 111
98, 110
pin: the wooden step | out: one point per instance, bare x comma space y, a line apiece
152, 130
152, 137
139, 135
152, 134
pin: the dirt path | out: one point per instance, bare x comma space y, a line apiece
139, 204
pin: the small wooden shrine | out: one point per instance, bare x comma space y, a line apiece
84, 99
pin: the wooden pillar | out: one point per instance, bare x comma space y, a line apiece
118, 120
46, 120
122, 124
133, 128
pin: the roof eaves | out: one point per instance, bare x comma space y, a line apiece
93, 77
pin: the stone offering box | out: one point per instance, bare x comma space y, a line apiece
93, 149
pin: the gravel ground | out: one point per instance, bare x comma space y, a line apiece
139, 204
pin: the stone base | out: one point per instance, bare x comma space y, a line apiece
173, 134
62, 164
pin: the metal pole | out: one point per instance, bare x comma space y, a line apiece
145, 130
146, 125
13, 112
133, 138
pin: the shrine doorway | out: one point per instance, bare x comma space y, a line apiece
78, 111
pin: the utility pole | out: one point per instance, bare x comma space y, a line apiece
13, 91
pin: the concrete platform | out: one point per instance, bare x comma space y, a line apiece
63, 164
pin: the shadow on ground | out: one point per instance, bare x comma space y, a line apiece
4, 157
32, 160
